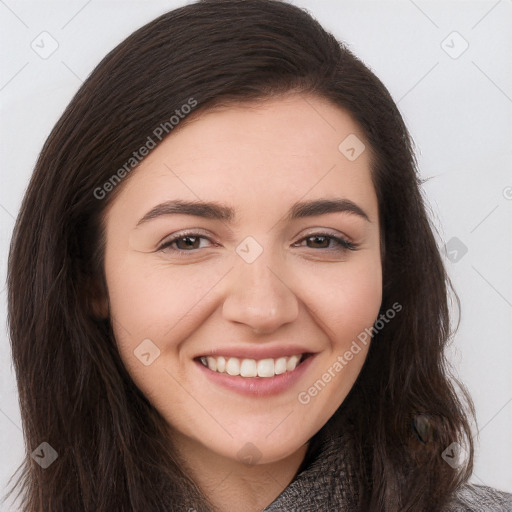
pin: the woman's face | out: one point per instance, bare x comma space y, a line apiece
247, 240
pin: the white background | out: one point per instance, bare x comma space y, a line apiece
459, 112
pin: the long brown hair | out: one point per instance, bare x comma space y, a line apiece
74, 392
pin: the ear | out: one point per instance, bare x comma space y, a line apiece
97, 300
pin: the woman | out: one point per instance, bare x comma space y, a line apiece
224, 291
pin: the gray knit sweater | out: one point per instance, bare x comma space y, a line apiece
327, 485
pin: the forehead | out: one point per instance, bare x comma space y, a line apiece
275, 151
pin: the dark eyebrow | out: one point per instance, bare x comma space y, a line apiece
208, 210
323, 206
216, 211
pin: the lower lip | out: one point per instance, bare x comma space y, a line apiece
257, 386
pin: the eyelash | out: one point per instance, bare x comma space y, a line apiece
344, 245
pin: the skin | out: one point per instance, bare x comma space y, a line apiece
258, 159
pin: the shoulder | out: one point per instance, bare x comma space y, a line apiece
479, 498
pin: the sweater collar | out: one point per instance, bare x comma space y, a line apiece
326, 479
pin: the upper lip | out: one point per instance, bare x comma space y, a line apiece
257, 353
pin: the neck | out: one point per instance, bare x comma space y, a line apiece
234, 485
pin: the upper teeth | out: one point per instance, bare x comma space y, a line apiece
251, 367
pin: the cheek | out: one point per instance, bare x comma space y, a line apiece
346, 310
148, 300
347, 301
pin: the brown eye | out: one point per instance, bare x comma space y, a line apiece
190, 242
328, 242
319, 242
185, 242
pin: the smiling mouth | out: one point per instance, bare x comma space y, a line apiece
248, 368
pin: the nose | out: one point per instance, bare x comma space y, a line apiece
259, 297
